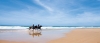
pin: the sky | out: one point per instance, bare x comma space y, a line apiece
50, 12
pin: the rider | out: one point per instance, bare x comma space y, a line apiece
33, 27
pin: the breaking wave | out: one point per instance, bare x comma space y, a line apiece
22, 27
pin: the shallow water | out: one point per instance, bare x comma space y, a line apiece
36, 36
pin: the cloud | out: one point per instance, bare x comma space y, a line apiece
55, 12
48, 8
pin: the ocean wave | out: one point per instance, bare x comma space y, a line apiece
21, 27
12, 27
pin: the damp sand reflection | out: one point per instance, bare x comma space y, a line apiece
31, 36
35, 33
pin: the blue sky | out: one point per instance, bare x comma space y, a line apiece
50, 12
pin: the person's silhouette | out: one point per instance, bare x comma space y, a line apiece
39, 26
33, 27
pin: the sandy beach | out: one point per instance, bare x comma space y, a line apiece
80, 36
53, 36
23, 36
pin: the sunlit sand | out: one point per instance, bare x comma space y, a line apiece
80, 36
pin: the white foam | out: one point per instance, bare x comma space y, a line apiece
12, 27
20, 27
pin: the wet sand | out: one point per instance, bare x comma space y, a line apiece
25, 36
4, 41
80, 36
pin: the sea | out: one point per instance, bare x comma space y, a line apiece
48, 27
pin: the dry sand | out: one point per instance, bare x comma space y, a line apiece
80, 36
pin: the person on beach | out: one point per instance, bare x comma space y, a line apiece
33, 27
39, 26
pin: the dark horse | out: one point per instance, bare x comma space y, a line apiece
32, 27
39, 27
35, 27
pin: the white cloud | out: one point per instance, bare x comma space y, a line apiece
54, 16
43, 5
27, 17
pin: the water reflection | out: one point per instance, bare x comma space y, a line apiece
35, 33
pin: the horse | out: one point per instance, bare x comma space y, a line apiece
35, 27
